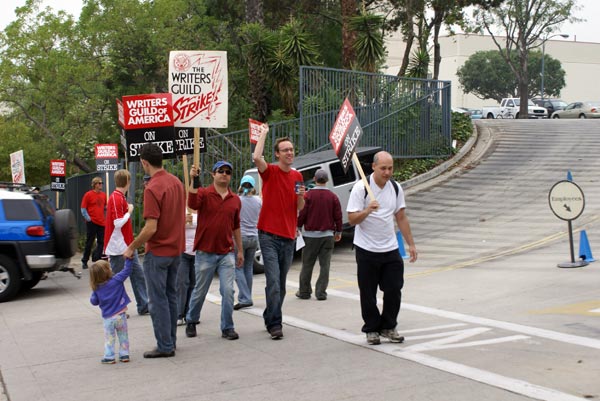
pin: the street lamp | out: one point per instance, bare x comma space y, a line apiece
564, 35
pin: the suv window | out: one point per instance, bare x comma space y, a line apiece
19, 209
337, 174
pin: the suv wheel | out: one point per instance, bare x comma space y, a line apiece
10, 281
66, 233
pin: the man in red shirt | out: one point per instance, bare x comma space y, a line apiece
92, 209
322, 221
217, 229
119, 233
283, 197
164, 236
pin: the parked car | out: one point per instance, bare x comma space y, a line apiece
579, 110
476, 114
551, 105
461, 110
34, 238
510, 108
339, 182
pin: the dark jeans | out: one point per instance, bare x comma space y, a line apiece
386, 271
161, 280
186, 281
277, 253
138, 282
94, 231
314, 248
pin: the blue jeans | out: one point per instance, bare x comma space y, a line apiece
243, 276
206, 266
138, 282
277, 253
161, 280
186, 281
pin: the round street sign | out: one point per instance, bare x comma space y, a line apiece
566, 200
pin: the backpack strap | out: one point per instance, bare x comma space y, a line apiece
394, 184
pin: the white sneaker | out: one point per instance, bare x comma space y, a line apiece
181, 322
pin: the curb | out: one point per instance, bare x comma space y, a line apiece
445, 166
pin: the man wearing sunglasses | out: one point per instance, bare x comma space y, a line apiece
218, 227
283, 197
93, 205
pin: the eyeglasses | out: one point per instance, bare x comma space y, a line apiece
99, 183
228, 172
287, 150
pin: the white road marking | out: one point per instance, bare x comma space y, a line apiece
507, 383
595, 310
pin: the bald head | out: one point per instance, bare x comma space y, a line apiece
383, 167
382, 156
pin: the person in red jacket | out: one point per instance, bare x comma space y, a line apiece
93, 205
322, 221
119, 234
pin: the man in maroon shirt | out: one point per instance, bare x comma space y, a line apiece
164, 236
92, 210
218, 226
322, 221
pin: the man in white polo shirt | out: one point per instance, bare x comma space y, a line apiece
377, 256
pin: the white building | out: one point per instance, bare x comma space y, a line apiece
580, 60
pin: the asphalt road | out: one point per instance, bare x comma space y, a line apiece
486, 313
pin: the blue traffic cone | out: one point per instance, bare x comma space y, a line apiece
401, 245
585, 252
569, 176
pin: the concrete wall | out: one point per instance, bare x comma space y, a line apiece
580, 60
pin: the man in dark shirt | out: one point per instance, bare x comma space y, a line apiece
217, 229
322, 221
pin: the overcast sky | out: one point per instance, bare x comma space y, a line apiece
588, 31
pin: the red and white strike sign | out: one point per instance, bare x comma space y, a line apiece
107, 157
345, 134
58, 172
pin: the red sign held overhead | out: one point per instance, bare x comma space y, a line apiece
58, 168
147, 111
107, 157
107, 151
254, 128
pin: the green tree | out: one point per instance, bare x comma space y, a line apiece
49, 83
524, 25
487, 76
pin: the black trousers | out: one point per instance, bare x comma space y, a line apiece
94, 231
386, 271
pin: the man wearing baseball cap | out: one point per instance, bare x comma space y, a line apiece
322, 221
218, 218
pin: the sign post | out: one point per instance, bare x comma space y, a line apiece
567, 202
344, 137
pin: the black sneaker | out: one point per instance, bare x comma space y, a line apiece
276, 333
302, 296
190, 330
158, 354
239, 306
230, 334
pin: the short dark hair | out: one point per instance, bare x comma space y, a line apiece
152, 154
279, 140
